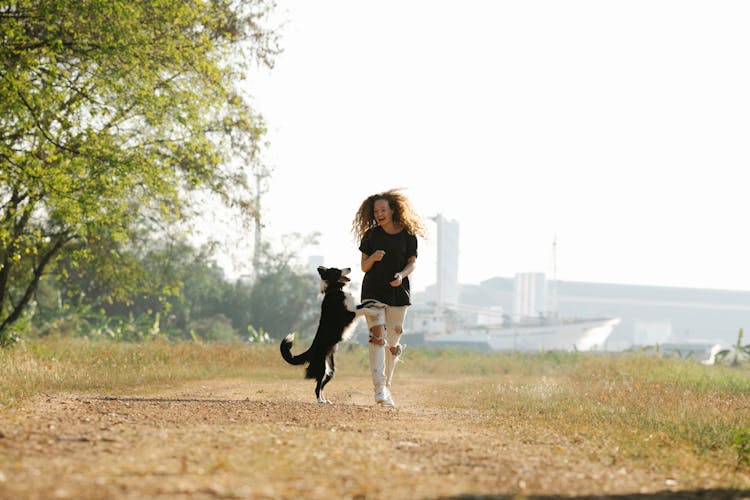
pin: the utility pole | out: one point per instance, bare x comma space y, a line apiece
553, 285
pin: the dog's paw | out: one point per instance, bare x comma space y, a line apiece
370, 312
368, 303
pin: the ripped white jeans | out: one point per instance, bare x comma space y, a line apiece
392, 319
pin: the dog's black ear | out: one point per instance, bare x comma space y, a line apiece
321, 270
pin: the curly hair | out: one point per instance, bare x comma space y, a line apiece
403, 214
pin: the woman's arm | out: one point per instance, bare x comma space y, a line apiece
369, 260
411, 264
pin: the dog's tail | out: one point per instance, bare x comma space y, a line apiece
286, 351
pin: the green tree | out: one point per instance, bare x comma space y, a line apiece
284, 295
180, 291
111, 112
203, 288
169, 277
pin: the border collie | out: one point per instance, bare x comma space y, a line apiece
337, 320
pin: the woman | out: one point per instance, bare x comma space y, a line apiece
387, 227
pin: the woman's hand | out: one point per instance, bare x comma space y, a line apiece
377, 255
369, 260
397, 282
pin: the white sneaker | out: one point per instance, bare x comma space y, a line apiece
383, 397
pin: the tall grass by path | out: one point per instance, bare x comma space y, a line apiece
60, 365
636, 404
55, 364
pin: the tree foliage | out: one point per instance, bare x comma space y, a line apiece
184, 295
111, 111
284, 296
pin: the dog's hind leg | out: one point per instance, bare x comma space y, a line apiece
319, 390
327, 376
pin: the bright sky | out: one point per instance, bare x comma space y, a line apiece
621, 128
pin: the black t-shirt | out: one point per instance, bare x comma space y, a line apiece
398, 248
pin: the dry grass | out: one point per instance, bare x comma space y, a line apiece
180, 419
640, 407
58, 365
636, 405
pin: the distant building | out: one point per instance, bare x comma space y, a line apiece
654, 315
651, 332
447, 260
529, 296
651, 315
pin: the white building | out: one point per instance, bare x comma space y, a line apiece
529, 296
447, 260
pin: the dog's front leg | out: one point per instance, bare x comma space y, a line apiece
358, 310
373, 313
369, 307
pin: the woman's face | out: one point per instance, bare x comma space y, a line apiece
383, 213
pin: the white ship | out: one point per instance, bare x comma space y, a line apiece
452, 327
533, 325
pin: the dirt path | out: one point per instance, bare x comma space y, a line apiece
241, 439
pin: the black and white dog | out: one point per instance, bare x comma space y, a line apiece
337, 320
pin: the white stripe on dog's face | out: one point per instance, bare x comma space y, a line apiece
331, 274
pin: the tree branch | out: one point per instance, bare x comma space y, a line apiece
38, 272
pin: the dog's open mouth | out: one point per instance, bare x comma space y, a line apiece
344, 278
